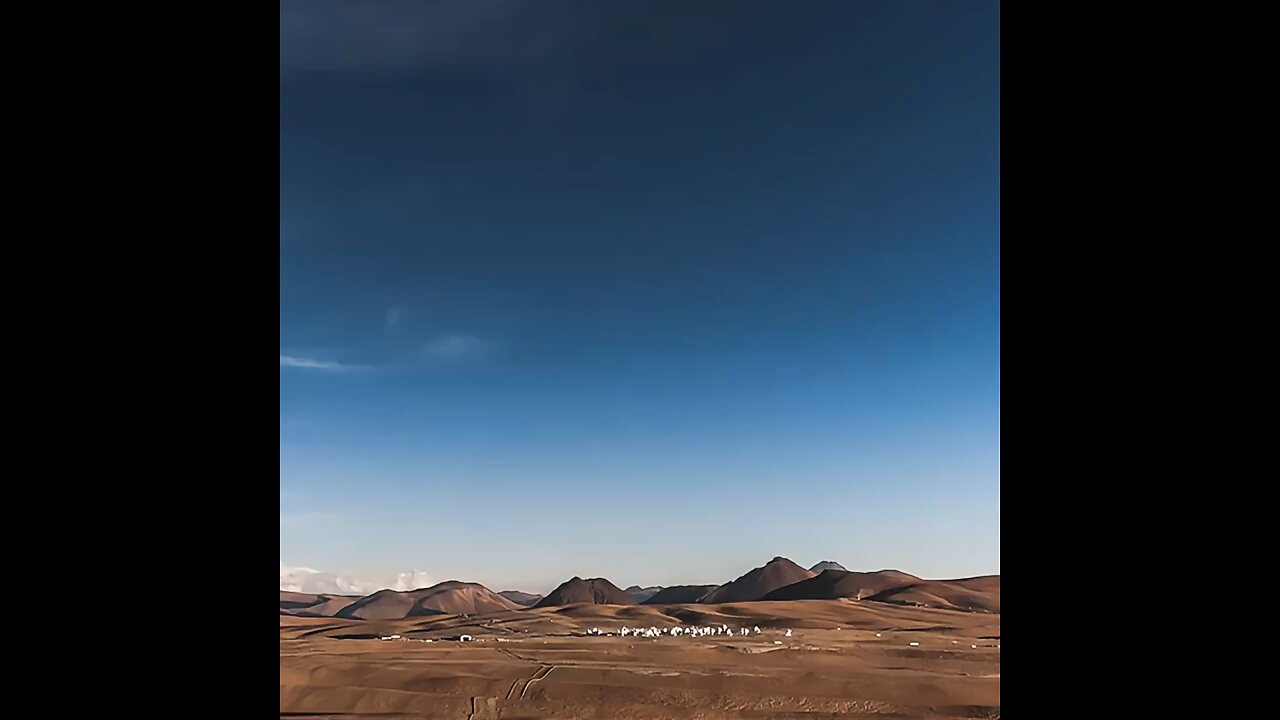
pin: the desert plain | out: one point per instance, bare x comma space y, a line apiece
844, 657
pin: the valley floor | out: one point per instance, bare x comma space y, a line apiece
536, 664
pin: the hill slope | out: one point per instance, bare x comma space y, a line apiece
832, 584
761, 581
598, 591
828, 565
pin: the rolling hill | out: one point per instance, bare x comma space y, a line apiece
450, 597
977, 594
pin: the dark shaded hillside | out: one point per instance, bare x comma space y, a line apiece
778, 572
598, 591
832, 584
680, 594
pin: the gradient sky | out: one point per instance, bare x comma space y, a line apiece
634, 291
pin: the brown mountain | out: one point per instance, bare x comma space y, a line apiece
523, 599
312, 605
678, 594
777, 573
832, 584
976, 594
449, 598
597, 591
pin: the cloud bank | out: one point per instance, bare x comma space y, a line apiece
309, 580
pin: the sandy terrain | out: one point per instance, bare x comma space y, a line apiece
537, 664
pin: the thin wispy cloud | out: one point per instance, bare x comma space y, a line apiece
445, 350
398, 34
457, 348
296, 520
312, 364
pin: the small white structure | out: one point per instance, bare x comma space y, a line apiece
757, 629
914, 644
465, 638
877, 634
788, 632
974, 647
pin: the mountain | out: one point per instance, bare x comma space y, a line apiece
777, 573
828, 565
450, 598
976, 594
832, 584
521, 598
679, 594
640, 594
592, 590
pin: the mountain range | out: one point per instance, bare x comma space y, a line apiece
780, 579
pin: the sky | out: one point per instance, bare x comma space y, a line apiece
648, 291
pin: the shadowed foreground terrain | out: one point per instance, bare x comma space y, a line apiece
526, 664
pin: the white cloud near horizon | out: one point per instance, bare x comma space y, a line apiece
310, 580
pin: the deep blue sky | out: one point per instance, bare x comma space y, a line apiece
600, 289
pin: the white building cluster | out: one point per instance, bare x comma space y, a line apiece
679, 631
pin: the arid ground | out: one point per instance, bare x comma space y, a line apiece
845, 658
